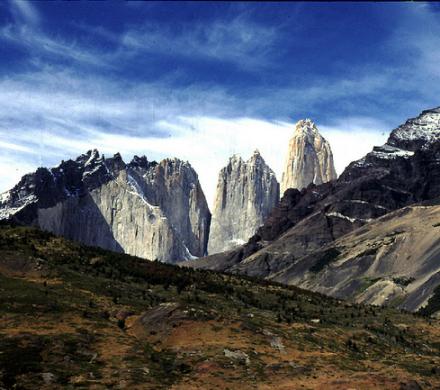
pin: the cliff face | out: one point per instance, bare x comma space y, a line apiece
246, 193
148, 209
309, 158
174, 186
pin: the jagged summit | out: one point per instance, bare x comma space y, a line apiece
414, 135
309, 158
152, 210
246, 193
417, 132
256, 158
256, 154
141, 162
306, 126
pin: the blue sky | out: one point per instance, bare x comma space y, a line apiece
201, 81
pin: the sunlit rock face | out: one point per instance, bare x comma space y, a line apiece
247, 191
309, 158
148, 209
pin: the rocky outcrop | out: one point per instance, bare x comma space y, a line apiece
301, 231
148, 209
309, 158
247, 191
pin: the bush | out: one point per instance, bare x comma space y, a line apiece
121, 324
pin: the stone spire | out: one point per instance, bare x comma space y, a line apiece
309, 158
246, 193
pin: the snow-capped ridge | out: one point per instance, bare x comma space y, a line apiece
415, 134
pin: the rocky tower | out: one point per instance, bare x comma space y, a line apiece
309, 158
246, 193
148, 209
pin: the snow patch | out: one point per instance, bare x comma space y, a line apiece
5, 196
23, 202
339, 215
137, 191
237, 241
426, 127
352, 220
390, 152
93, 156
188, 255
94, 170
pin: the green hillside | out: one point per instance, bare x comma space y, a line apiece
80, 317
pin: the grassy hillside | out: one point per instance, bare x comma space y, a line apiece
78, 317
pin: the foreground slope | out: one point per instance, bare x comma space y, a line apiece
78, 317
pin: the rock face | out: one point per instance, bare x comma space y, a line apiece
148, 209
298, 243
246, 194
309, 158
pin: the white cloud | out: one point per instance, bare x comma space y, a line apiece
16, 147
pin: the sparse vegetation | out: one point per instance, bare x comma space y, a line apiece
84, 316
433, 303
403, 280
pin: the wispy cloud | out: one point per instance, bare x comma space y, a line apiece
40, 44
238, 41
24, 11
16, 147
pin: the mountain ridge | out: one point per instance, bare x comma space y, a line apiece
386, 179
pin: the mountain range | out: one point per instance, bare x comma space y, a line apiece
157, 210
369, 235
